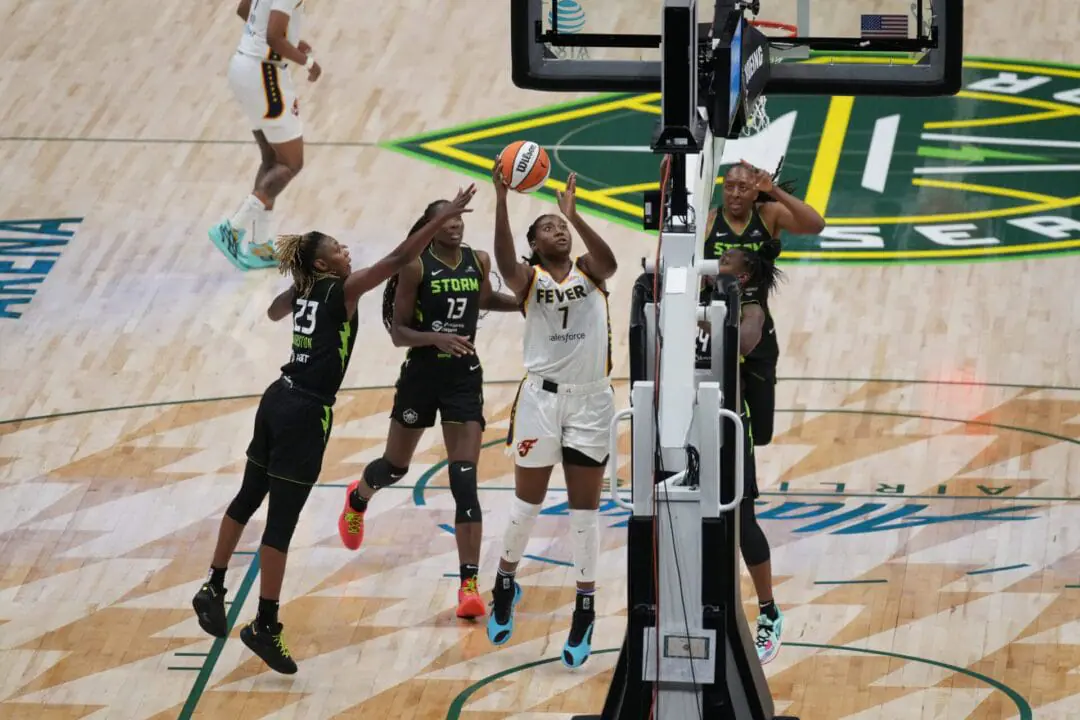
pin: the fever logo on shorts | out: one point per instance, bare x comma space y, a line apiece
525, 446
987, 174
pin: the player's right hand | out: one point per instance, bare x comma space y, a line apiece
459, 205
456, 345
501, 186
314, 72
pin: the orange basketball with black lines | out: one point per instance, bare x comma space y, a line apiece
525, 166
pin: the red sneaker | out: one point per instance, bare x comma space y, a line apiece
350, 523
469, 603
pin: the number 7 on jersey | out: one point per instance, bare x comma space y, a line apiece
565, 316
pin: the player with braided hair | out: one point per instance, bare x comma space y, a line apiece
294, 418
431, 307
755, 210
757, 277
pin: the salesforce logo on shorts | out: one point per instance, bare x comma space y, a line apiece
566, 337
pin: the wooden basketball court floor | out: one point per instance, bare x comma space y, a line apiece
920, 490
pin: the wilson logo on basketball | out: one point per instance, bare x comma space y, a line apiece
526, 158
525, 446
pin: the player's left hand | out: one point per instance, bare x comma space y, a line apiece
304, 47
567, 200
763, 181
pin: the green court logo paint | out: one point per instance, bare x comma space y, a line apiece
989, 173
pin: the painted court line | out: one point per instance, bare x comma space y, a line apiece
987, 571
879, 158
984, 140
972, 170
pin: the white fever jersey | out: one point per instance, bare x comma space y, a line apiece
567, 328
253, 41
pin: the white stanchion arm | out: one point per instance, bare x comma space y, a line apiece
613, 458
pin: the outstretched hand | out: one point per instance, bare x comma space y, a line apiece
567, 199
762, 179
501, 184
459, 205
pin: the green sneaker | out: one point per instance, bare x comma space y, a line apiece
768, 637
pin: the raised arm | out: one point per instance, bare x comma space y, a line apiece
788, 212
517, 274
368, 278
489, 299
598, 261
244, 9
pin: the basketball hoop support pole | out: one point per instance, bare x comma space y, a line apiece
686, 637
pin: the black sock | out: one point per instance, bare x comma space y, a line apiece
356, 502
468, 572
217, 577
504, 583
769, 609
267, 616
586, 602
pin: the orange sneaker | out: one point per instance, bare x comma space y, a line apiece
350, 523
469, 603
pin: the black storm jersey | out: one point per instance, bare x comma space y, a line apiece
755, 235
323, 338
723, 236
447, 300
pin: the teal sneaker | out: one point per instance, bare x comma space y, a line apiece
259, 256
768, 637
578, 646
500, 624
228, 240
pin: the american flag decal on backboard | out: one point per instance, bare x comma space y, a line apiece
877, 26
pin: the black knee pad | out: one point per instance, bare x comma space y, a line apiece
463, 488
752, 540
287, 499
252, 492
381, 474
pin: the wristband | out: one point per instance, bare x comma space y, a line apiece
310, 62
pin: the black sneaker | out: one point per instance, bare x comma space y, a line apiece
209, 604
269, 645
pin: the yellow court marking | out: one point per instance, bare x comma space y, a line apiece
535, 122
639, 187
1055, 204
594, 196
1052, 111
1055, 246
822, 176
986, 190
1027, 69
643, 107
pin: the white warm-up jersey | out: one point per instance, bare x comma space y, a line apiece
253, 41
567, 329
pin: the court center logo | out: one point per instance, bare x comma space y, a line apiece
990, 173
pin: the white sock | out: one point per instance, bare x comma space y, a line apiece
245, 215
263, 231
519, 529
585, 543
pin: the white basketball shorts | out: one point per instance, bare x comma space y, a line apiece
573, 416
267, 96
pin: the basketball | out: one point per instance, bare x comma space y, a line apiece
525, 166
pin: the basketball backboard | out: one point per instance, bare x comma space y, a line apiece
840, 47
